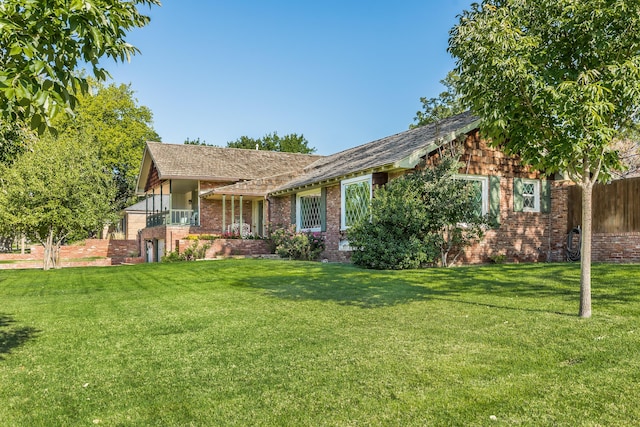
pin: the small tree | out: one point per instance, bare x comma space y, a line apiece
57, 192
424, 218
556, 82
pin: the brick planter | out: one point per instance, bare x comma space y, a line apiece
230, 247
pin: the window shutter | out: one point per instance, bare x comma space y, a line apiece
518, 200
494, 199
323, 209
293, 209
545, 196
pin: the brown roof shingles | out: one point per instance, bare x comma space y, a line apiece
383, 152
222, 164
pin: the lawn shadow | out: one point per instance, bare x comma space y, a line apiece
538, 288
343, 285
12, 337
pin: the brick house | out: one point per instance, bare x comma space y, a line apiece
214, 190
174, 177
334, 191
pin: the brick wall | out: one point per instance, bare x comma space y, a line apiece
211, 209
230, 247
522, 236
108, 252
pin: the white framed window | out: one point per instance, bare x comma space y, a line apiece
355, 199
308, 211
481, 191
530, 195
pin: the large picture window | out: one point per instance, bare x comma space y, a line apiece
356, 197
309, 211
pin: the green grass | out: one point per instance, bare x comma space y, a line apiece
266, 342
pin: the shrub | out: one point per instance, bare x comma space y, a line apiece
421, 219
303, 246
191, 253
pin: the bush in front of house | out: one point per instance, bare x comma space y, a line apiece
302, 246
190, 253
425, 218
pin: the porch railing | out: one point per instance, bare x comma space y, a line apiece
185, 217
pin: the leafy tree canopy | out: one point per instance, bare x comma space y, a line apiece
110, 118
291, 143
556, 82
195, 142
42, 44
447, 104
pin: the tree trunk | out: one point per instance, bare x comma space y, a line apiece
48, 261
585, 249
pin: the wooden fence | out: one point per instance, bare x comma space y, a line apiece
616, 206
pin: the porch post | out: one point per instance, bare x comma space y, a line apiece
224, 212
170, 219
241, 219
233, 210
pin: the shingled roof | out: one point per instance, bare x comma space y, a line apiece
207, 163
399, 151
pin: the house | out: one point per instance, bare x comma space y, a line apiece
217, 190
334, 192
180, 174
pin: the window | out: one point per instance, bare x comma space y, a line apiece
356, 196
481, 192
530, 195
309, 211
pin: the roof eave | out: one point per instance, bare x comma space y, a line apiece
414, 158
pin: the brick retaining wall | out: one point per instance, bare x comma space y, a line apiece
230, 247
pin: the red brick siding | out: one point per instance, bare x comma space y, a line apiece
230, 247
113, 252
211, 209
522, 236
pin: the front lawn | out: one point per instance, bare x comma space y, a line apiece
265, 342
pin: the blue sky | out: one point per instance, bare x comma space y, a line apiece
342, 73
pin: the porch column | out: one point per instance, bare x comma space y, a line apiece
233, 210
224, 213
241, 219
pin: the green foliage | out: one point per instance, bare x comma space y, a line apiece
110, 118
57, 192
291, 143
191, 253
420, 219
195, 142
302, 246
15, 139
44, 42
554, 81
447, 104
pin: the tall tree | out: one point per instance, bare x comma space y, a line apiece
447, 104
291, 143
556, 82
42, 44
58, 191
110, 118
